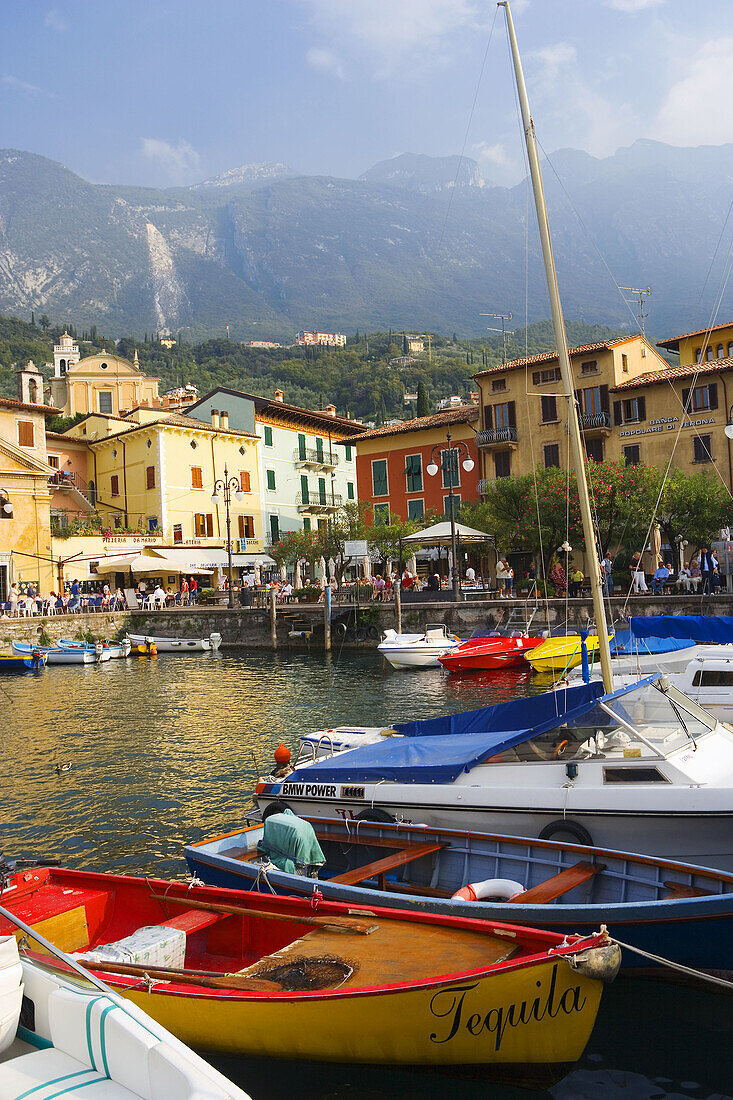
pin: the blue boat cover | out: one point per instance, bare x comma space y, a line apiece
624, 643
430, 752
701, 628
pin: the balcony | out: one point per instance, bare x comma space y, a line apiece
596, 422
314, 459
323, 503
70, 482
497, 437
484, 485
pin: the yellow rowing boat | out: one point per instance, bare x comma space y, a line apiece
560, 654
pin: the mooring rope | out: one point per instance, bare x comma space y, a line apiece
700, 975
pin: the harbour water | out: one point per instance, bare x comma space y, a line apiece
166, 751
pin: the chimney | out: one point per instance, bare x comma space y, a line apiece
224, 420
214, 418
279, 395
331, 410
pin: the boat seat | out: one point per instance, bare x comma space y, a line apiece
192, 920
53, 1073
682, 890
559, 884
379, 868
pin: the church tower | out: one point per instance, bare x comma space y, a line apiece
65, 355
30, 384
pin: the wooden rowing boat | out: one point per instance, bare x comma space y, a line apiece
353, 984
33, 662
488, 653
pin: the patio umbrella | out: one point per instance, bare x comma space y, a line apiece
322, 571
331, 568
298, 578
367, 567
656, 544
283, 573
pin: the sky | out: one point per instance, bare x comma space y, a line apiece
170, 92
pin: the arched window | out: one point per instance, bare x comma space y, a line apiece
720, 352
730, 349
698, 355
709, 354
62, 366
32, 391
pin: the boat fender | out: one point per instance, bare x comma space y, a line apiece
580, 832
502, 889
599, 963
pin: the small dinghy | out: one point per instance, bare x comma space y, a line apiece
677, 910
34, 662
62, 1036
417, 650
279, 977
115, 649
56, 655
479, 654
177, 645
560, 654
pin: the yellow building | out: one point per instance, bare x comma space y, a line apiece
103, 383
25, 526
702, 346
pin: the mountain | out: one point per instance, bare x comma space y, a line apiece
272, 253
416, 172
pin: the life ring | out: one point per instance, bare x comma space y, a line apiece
499, 889
560, 750
374, 813
580, 832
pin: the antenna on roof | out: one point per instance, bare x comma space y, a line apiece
504, 331
643, 292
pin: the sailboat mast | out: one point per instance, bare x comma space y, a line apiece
563, 357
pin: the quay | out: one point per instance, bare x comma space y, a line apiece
298, 625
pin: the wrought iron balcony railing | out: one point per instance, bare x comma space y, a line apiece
496, 436
595, 420
312, 456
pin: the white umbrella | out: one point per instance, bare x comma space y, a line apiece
298, 578
367, 567
322, 572
283, 573
656, 543
331, 568
412, 564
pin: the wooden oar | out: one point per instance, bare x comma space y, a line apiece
211, 979
339, 924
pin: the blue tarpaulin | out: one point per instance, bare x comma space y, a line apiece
701, 628
624, 644
430, 752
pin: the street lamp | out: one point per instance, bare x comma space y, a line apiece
228, 485
446, 458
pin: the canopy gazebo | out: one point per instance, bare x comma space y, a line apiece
442, 534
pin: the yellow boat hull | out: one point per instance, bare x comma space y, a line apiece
538, 1016
560, 654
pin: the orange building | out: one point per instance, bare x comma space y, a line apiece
392, 465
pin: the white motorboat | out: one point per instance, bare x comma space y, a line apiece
643, 768
56, 655
177, 645
115, 649
417, 650
62, 1036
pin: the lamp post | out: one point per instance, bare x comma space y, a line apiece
446, 458
226, 486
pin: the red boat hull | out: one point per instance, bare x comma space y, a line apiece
479, 654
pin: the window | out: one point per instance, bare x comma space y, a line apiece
713, 677
53, 461
720, 352
197, 477
301, 447
117, 522
274, 528
701, 448
203, 524
503, 464
177, 533
698, 355
591, 400
381, 513
552, 455
271, 480
709, 353
413, 472
245, 481
306, 523
152, 523
150, 477
322, 525
348, 450
304, 494
730, 350
415, 509
350, 490
456, 505
379, 478
594, 449
322, 490
703, 398
246, 527
549, 409
633, 775
498, 385
632, 454
542, 377
591, 366
105, 401
629, 412
268, 435
449, 464
625, 363
26, 434
115, 485
501, 415
319, 449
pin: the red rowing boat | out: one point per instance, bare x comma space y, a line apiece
488, 653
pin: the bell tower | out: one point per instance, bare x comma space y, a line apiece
30, 384
65, 355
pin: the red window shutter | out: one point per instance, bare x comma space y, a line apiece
242, 535
244, 481
197, 478
26, 435
115, 485
536, 378
150, 476
209, 525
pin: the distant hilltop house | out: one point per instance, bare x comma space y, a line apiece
455, 402
325, 339
263, 344
416, 346
167, 342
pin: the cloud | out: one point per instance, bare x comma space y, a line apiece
496, 163
54, 21
633, 6
24, 88
557, 57
693, 112
324, 60
177, 161
394, 36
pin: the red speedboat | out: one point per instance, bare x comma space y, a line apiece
488, 653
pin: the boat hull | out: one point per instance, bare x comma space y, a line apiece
62, 656
560, 654
494, 653
114, 649
177, 645
22, 664
425, 657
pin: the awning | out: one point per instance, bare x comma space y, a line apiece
199, 559
122, 563
440, 535
145, 561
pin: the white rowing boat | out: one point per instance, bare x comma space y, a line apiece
55, 655
115, 649
177, 645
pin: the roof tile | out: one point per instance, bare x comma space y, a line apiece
466, 414
551, 356
713, 366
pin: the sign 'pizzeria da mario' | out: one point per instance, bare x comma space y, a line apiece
669, 423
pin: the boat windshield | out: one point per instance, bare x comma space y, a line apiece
651, 720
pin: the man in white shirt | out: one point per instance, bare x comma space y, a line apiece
159, 597
470, 574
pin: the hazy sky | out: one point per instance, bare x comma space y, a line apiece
162, 92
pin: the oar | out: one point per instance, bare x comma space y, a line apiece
211, 979
338, 924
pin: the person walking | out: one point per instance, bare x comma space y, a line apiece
184, 591
707, 564
193, 590
14, 597
637, 575
576, 581
501, 578
75, 596
607, 574
508, 580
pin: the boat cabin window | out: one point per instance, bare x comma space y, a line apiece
713, 677
633, 775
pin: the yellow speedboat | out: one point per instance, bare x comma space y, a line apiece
560, 654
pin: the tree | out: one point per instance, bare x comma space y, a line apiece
423, 406
692, 507
44, 321
404, 343
33, 319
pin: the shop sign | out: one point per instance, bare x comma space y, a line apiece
669, 423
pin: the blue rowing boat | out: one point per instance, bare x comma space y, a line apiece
676, 910
35, 662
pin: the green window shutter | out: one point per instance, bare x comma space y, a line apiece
274, 528
268, 435
319, 449
379, 478
304, 489
322, 490
301, 447
306, 523
350, 490
270, 479
347, 448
